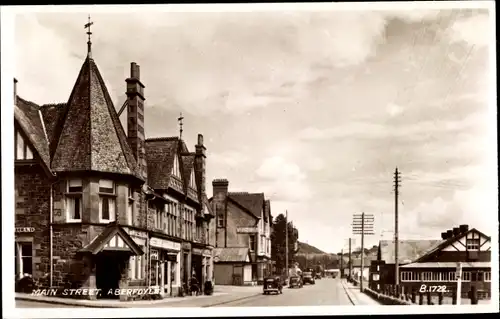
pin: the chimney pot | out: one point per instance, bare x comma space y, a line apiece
456, 231
135, 71
200, 139
449, 233
444, 235
464, 228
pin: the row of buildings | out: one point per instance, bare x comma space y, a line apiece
432, 262
100, 207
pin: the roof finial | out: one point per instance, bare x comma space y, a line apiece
180, 125
89, 44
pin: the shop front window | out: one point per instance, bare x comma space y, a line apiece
23, 259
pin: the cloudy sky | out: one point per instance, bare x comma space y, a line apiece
314, 108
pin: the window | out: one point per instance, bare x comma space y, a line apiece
251, 242
436, 276
23, 259
136, 267
130, 206
472, 243
22, 151
487, 276
173, 268
448, 276
427, 276
466, 276
74, 200
409, 276
220, 220
106, 201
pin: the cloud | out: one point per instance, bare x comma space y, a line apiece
473, 30
229, 158
282, 180
394, 109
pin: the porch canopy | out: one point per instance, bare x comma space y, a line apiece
114, 239
232, 255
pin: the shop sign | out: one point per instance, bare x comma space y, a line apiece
247, 230
197, 251
133, 232
165, 244
154, 254
171, 257
25, 229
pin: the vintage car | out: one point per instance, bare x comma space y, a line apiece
307, 278
273, 284
295, 281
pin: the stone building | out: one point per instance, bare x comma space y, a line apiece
243, 228
98, 207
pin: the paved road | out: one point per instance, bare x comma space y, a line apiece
34, 304
326, 292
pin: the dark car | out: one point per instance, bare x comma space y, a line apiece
308, 278
273, 284
295, 281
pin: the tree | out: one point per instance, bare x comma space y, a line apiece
278, 243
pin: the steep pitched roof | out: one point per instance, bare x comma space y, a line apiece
160, 153
109, 233
443, 243
187, 168
408, 250
232, 254
51, 114
30, 120
206, 201
89, 135
253, 202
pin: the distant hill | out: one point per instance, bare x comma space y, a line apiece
308, 249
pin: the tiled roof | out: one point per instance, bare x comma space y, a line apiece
160, 154
443, 243
29, 118
187, 165
231, 254
408, 250
253, 202
207, 204
51, 114
89, 134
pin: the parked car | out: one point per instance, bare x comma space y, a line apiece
295, 281
273, 284
308, 278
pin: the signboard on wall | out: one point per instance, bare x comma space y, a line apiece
25, 229
171, 257
154, 254
247, 230
165, 244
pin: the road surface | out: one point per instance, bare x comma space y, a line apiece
326, 292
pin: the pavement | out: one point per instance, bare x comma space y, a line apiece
356, 297
221, 295
326, 292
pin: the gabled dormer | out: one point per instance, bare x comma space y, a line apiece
23, 149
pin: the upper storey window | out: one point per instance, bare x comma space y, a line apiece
23, 150
74, 200
107, 201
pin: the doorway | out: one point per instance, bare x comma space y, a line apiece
108, 275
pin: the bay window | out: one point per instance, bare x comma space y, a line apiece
130, 206
73, 196
107, 199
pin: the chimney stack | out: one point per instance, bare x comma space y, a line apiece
200, 162
15, 91
456, 231
464, 228
449, 233
444, 235
220, 187
135, 118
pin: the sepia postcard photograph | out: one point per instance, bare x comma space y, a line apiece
248, 159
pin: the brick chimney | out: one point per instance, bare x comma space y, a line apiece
135, 118
456, 231
200, 167
444, 235
464, 228
449, 234
220, 187
15, 91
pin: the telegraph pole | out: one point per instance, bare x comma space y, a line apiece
286, 244
341, 263
350, 260
362, 225
397, 182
